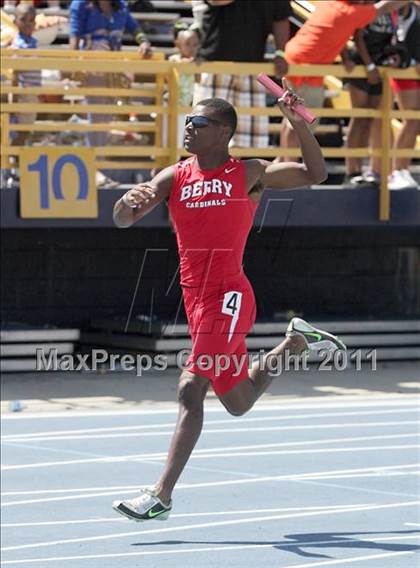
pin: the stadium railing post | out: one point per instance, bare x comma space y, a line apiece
384, 197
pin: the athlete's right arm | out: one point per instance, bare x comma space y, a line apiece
142, 198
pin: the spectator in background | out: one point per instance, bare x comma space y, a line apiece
237, 31
99, 25
25, 23
407, 92
12, 4
322, 38
187, 42
198, 8
371, 49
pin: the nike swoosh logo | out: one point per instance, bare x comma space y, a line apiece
317, 336
228, 170
152, 514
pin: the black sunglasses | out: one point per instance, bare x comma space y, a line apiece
199, 121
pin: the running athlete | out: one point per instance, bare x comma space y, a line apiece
212, 200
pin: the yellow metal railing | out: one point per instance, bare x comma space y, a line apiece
156, 78
146, 102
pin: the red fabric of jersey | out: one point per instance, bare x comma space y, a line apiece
212, 215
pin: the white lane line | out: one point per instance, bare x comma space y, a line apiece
78, 490
114, 489
161, 464
213, 524
233, 430
162, 455
348, 560
153, 461
340, 401
197, 455
158, 455
304, 451
360, 489
279, 545
382, 471
187, 515
53, 450
236, 430
412, 524
120, 429
372, 474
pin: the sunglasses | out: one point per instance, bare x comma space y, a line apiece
199, 121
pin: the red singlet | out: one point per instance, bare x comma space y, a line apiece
213, 215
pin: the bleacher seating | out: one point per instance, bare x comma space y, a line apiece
392, 340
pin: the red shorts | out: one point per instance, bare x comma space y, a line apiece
404, 84
219, 319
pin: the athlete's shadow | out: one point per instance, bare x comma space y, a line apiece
297, 542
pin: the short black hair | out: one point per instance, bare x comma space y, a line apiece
224, 111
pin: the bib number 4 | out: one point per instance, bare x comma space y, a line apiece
232, 307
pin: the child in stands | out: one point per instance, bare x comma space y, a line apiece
187, 42
25, 23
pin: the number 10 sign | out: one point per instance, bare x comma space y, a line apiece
57, 183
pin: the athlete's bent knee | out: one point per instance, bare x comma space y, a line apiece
237, 410
190, 393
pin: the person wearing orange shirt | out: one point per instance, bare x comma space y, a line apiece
322, 38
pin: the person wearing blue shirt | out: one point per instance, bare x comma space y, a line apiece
25, 23
100, 25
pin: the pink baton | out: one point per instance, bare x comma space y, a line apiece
278, 91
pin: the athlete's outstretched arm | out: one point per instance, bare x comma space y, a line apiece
142, 198
289, 175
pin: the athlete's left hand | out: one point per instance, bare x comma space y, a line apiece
288, 100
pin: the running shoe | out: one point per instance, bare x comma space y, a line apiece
401, 179
413, 183
368, 179
146, 507
316, 339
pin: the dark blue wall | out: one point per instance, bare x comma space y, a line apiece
299, 208
69, 276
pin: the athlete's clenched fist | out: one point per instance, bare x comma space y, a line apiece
139, 195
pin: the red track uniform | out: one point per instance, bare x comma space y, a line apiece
212, 215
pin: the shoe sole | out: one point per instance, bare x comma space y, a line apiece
129, 515
338, 344
330, 343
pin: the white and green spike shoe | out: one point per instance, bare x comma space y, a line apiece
146, 507
316, 339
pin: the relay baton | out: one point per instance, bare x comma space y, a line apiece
278, 91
